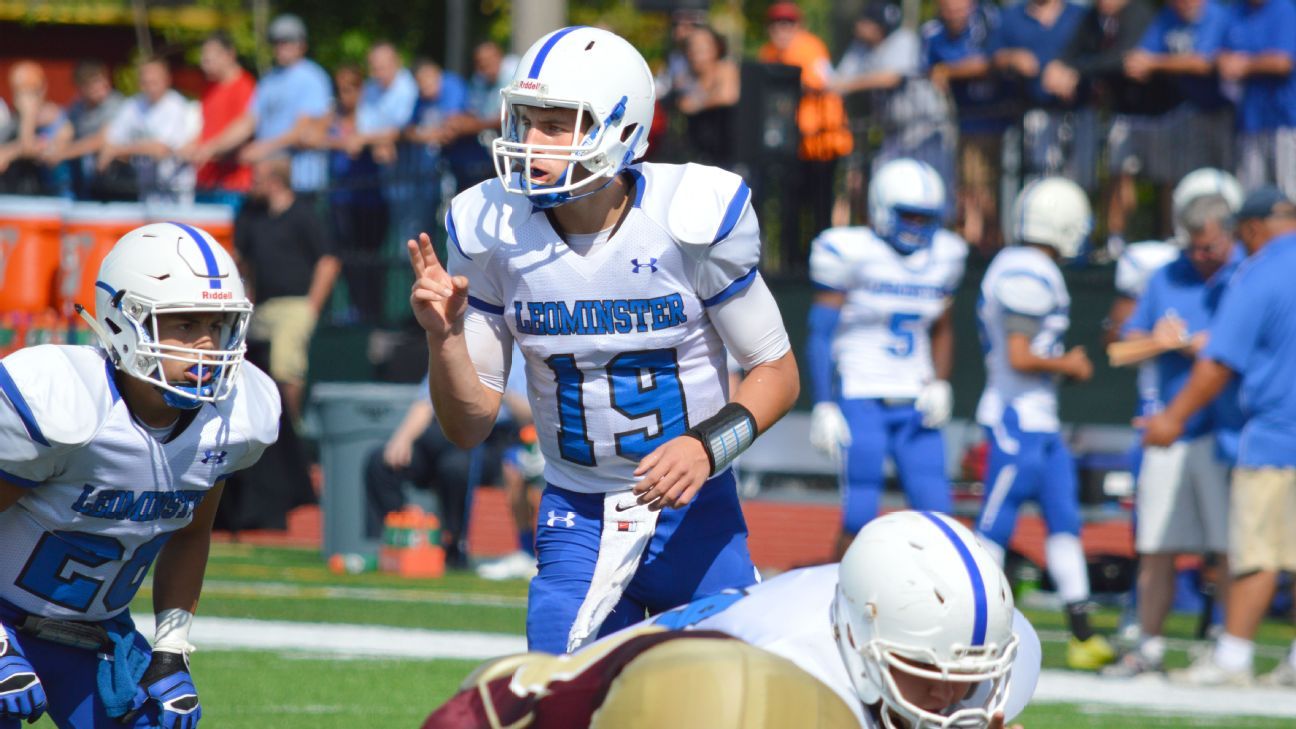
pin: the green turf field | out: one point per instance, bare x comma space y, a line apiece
301, 690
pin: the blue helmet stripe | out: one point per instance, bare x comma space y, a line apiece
548, 46
213, 270
978, 586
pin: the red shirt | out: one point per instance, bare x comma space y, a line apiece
221, 104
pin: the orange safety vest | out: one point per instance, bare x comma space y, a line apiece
821, 117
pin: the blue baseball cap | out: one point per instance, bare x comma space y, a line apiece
1260, 203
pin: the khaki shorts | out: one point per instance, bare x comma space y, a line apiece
286, 322
1261, 533
1183, 499
980, 160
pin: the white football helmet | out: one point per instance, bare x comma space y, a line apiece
606, 82
1053, 212
916, 594
170, 268
1199, 182
906, 186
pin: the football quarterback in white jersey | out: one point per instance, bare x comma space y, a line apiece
113, 457
880, 343
1024, 314
915, 628
623, 284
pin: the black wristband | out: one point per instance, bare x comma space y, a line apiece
725, 435
164, 663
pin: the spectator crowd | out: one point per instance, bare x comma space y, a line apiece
1108, 94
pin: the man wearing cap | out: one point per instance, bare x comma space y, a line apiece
825, 138
1183, 500
1253, 337
287, 114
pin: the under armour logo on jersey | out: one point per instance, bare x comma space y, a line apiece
568, 521
651, 265
215, 457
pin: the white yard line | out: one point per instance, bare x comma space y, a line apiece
1157, 695
343, 639
1150, 694
239, 588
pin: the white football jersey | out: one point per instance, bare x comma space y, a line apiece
1134, 269
1022, 281
791, 616
882, 346
620, 353
104, 494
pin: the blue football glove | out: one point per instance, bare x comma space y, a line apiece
167, 683
21, 694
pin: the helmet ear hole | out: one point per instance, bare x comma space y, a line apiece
629, 132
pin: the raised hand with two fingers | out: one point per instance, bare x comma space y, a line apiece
437, 298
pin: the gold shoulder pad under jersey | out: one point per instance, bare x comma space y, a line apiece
718, 684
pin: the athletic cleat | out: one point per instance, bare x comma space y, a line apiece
1089, 655
1206, 672
516, 566
1132, 664
1283, 676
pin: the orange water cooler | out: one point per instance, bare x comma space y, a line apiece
215, 219
89, 231
29, 252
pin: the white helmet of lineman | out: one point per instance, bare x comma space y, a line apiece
170, 268
1200, 182
906, 202
917, 594
600, 76
1054, 212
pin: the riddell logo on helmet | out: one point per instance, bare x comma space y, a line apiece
530, 84
218, 295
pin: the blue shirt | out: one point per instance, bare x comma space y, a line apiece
1170, 34
1254, 334
980, 101
1178, 287
1268, 102
1019, 29
385, 108
283, 96
434, 111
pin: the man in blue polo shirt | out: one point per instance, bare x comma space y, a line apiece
1252, 338
1030, 35
1180, 47
956, 57
288, 113
1182, 504
1259, 52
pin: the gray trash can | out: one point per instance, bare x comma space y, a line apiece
353, 419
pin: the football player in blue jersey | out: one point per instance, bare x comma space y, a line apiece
881, 343
623, 284
114, 457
